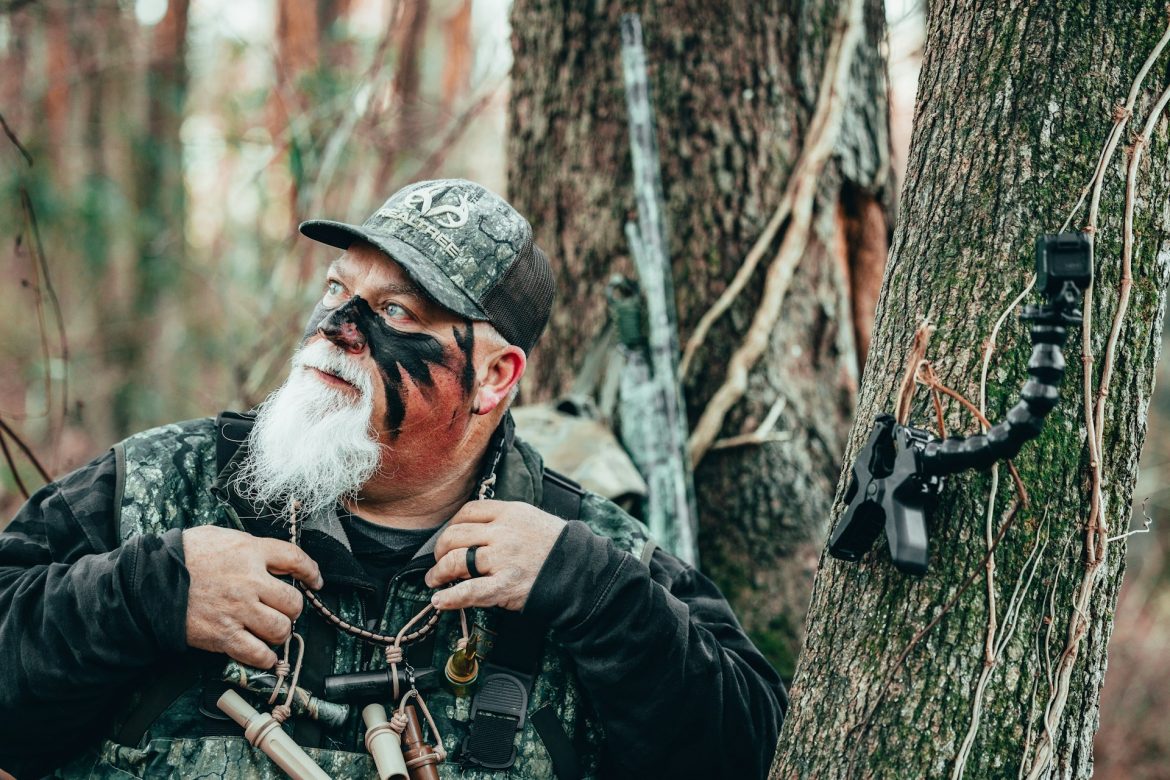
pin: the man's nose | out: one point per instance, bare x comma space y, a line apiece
343, 332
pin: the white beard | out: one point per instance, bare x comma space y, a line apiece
311, 442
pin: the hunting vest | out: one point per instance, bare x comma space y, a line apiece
167, 478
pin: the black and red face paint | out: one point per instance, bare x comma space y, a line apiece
466, 342
397, 354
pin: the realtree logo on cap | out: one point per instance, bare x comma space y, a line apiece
429, 217
456, 215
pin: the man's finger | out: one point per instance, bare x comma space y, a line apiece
268, 624
453, 566
455, 536
282, 597
479, 511
249, 650
478, 592
286, 558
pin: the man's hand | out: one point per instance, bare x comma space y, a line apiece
234, 604
513, 540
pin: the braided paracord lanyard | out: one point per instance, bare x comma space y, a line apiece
486, 491
338, 622
283, 711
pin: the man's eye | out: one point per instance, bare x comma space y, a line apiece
395, 312
334, 288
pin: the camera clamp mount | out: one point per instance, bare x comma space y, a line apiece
898, 473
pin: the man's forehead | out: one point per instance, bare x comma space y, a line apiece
391, 277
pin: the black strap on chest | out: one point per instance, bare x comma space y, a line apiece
561, 496
500, 704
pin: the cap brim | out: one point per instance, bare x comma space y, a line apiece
417, 265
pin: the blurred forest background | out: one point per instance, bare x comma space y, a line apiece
160, 154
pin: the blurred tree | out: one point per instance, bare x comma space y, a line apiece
458, 54
299, 33
403, 131
159, 194
735, 87
908, 677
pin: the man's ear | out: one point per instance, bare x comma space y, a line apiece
501, 371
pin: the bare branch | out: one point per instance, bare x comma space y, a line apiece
28, 453
62, 340
761, 435
455, 131
12, 467
16, 141
744, 274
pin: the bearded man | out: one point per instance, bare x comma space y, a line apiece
378, 510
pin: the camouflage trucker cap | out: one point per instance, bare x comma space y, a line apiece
466, 247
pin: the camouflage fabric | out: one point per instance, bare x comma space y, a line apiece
167, 476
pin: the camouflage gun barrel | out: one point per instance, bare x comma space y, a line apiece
654, 424
304, 703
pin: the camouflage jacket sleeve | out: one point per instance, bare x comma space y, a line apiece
678, 686
80, 615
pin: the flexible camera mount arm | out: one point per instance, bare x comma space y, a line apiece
897, 475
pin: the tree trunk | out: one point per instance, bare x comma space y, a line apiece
458, 53
733, 86
160, 235
1014, 103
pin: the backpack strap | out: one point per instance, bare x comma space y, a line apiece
561, 496
566, 765
232, 430
500, 703
155, 699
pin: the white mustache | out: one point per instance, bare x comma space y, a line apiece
324, 356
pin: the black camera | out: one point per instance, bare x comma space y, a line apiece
1062, 258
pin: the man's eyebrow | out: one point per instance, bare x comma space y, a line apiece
402, 288
406, 287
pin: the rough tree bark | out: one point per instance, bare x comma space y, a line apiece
734, 85
1014, 103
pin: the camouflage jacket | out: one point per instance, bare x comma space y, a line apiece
641, 660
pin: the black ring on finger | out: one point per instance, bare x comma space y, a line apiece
471, 570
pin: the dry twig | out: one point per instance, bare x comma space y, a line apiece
995, 645
5, 429
45, 279
913, 362
12, 468
455, 131
16, 141
761, 435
